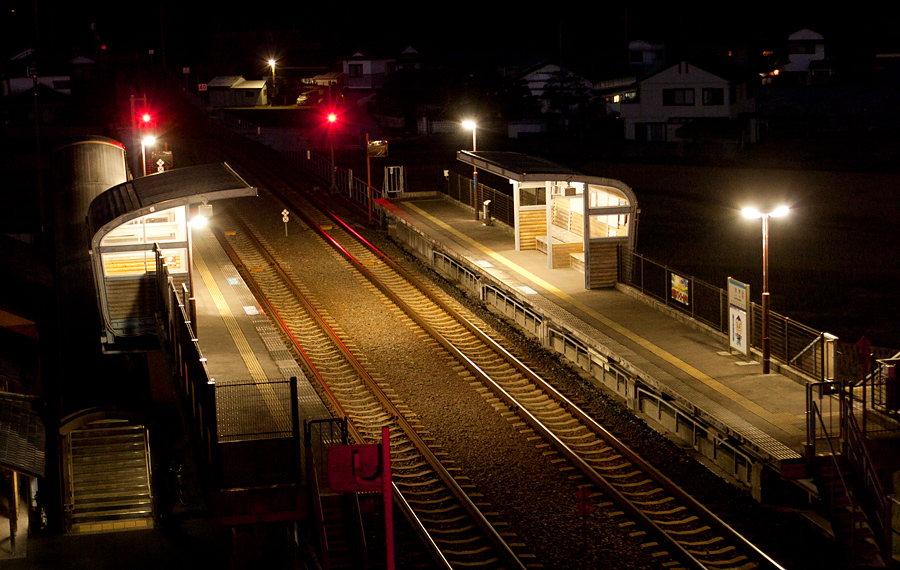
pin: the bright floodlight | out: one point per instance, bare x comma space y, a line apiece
754, 213
272, 63
751, 213
149, 140
198, 221
469, 125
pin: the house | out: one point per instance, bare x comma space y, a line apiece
235, 91
645, 58
686, 102
367, 72
803, 47
547, 81
20, 73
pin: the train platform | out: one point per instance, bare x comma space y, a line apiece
245, 355
691, 366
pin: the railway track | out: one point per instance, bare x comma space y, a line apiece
677, 531
437, 504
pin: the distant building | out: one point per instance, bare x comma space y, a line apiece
368, 72
235, 91
645, 58
685, 102
804, 47
547, 78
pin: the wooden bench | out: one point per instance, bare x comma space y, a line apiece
565, 243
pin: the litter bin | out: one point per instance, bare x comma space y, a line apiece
486, 213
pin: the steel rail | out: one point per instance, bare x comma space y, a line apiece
599, 480
455, 489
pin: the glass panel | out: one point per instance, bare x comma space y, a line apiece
176, 260
126, 234
532, 196
129, 263
609, 226
606, 196
165, 226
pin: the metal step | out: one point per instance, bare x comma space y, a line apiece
107, 478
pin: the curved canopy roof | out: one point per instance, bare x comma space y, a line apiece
177, 187
526, 168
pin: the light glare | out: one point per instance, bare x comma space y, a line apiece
754, 213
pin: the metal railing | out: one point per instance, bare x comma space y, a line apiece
857, 474
885, 388
321, 167
793, 344
266, 454
460, 189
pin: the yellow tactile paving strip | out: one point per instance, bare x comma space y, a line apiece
234, 330
784, 422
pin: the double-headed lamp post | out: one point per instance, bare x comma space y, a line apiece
755, 214
472, 126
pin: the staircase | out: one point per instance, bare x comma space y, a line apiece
108, 478
339, 530
848, 521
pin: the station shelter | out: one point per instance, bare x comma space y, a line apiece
577, 220
128, 222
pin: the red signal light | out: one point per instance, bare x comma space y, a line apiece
332, 118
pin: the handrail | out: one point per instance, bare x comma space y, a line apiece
837, 468
862, 459
812, 345
317, 514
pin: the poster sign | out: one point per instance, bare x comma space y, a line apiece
680, 290
738, 315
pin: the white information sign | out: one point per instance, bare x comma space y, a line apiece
738, 316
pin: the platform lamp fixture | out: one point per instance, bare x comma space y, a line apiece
148, 140
469, 124
756, 214
272, 65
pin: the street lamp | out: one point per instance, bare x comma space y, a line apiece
149, 140
272, 65
756, 214
468, 124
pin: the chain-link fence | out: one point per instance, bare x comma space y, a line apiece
792, 343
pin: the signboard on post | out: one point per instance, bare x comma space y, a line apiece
680, 289
354, 468
738, 316
366, 467
160, 161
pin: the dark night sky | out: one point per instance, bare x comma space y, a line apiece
189, 25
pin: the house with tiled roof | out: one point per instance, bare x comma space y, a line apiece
688, 102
